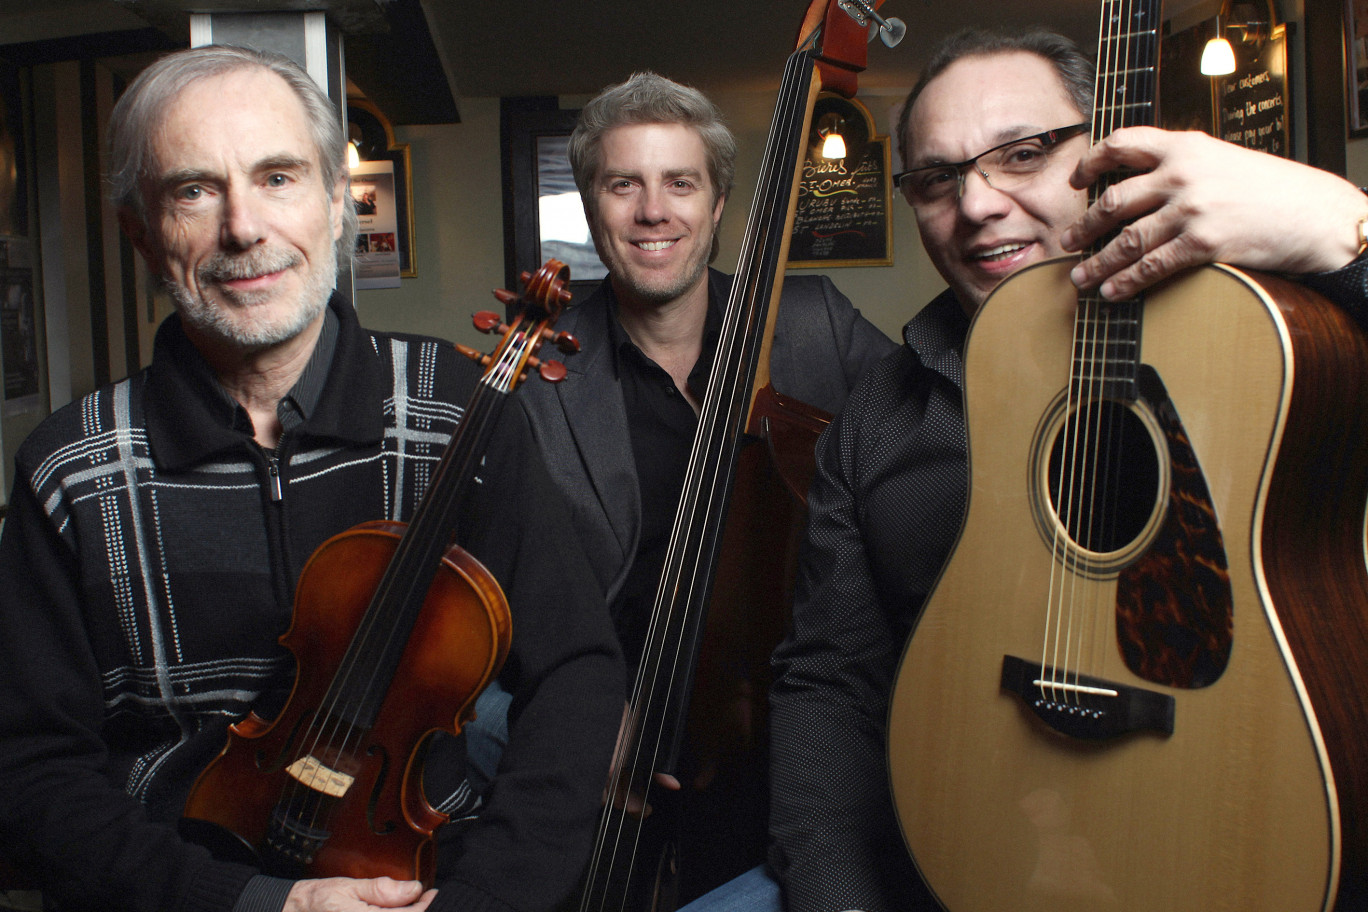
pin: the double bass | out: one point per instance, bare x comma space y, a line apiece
1138, 683
396, 631
707, 650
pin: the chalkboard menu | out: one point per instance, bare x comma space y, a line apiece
1252, 102
1249, 107
843, 210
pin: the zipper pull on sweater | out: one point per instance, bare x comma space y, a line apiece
273, 470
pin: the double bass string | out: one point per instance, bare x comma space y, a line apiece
672, 638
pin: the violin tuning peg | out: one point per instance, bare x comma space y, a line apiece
565, 296
551, 371
505, 296
567, 343
487, 321
525, 277
473, 354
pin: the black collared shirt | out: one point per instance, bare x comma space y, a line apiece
662, 424
295, 406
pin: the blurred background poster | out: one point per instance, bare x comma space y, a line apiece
377, 243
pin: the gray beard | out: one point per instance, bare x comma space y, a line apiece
217, 321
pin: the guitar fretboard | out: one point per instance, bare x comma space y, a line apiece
1106, 353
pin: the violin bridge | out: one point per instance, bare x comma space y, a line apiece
312, 773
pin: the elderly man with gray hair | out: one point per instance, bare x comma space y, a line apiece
157, 528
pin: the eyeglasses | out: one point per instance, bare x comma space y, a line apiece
1004, 167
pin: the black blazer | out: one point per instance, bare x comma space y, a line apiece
822, 346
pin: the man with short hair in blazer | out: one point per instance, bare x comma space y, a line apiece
654, 165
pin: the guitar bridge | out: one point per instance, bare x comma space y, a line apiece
1083, 707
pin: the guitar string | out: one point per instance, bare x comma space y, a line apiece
1101, 326
1083, 391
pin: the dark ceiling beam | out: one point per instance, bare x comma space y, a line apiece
401, 72
87, 47
390, 53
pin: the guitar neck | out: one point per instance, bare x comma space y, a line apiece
1126, 93
1127, 88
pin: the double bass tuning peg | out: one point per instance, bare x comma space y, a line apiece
891, 31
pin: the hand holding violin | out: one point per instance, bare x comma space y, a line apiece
346, 894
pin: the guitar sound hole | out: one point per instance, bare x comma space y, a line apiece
1104, 476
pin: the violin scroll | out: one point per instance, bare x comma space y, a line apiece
541, 304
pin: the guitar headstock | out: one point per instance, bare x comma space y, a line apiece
537, 309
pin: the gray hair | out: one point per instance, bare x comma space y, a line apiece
142, 106
648, 98
1074, 68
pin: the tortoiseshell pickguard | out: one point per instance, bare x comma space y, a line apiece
1174, 613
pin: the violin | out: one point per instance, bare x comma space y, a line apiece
396, 631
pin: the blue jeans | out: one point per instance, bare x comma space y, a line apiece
754, 891
487, 736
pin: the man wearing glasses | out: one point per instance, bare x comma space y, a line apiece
892, 476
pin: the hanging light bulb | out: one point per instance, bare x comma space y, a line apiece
1218, 58
833, 145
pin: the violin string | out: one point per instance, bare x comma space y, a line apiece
408, 589
342, 697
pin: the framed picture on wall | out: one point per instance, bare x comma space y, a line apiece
844, 211
373, 137
1356, 65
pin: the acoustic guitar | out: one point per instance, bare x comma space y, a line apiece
1139, 683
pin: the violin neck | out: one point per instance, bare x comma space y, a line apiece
403, 589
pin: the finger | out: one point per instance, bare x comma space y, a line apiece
1122, 202
1126, 250
388, 893
1137, 148
1156, 265
665, 780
